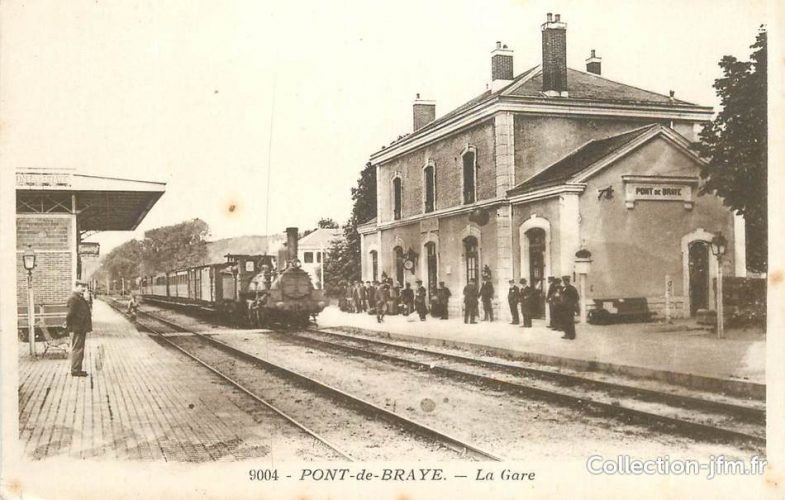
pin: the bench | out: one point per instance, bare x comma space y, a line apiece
620, 310
49, 326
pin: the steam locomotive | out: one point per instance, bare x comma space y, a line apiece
247, 290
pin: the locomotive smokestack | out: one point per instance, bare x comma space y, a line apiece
291, 243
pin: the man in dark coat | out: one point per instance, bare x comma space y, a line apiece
528, 303
443, 295
366, 293
470, 295
513, 296
419, 301
553, 287
407, 297
570, 301
382, 294
79, 322
486, 293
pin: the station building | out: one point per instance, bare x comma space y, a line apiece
542, 164
312, 250
56, 210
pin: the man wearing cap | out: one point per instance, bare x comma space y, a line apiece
470, 295
570, 300
419, 300
528, 297
513, 297
79, 322
443, 295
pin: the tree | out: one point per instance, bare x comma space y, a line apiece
327, 223
735, 146
175, 247
324, 223
122, 263
343, 258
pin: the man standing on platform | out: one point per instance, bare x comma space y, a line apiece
486, 292
553, 287
443, 294
366, 292
79, 322
528, 298
382, 295
419, 300
513, 297
570, 300
470, 295
407, 297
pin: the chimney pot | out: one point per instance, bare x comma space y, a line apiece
593, 53
550, 17
498, 45
557, 18
672, 93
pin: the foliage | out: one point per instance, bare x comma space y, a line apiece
343, 258
735, 146
163, 249
327, 223
174, 247
324, 223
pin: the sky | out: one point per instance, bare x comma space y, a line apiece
233, 102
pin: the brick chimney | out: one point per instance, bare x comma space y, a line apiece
501, 67
594, 63
423, 112
554, 57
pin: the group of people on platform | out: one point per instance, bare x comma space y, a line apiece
387, 297
563, 303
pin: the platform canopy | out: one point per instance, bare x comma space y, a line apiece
100, 203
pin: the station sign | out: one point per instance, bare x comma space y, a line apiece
657, 188
43, 180
89, 248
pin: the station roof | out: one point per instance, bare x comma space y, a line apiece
101, 203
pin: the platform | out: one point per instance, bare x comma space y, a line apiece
679, 353
140, 401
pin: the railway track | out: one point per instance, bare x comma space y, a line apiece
301, 387
685, 415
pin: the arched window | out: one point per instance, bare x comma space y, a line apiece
429, 182
469, 177
471, 258
397, 198
398, 264
375, 265
536, 239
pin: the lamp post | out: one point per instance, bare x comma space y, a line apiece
28, 260
718, 247
582, 268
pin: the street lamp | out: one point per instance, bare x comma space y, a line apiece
28, 260
718, 246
